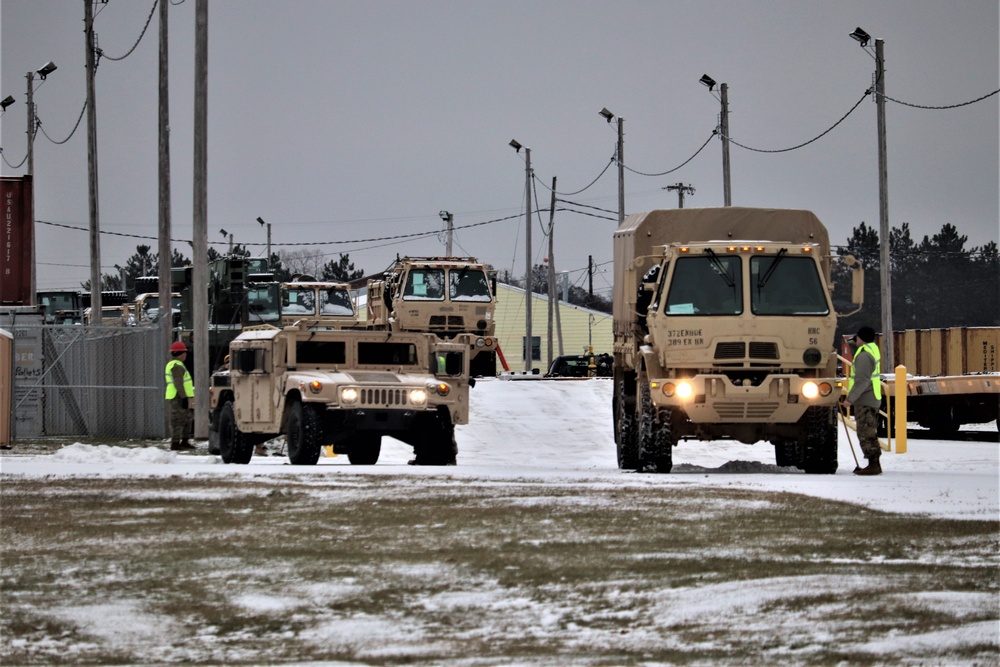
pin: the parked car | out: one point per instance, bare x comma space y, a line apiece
578, 366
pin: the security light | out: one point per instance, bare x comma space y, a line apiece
46, 69
223, 232
7, 101
607, 114
515, 145
261, 221
861, 36
706, 80
445, 215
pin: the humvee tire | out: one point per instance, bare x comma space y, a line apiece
234, 446
365, 449
304, 434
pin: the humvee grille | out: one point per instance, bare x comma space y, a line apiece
383, 396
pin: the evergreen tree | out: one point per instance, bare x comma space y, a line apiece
341, 270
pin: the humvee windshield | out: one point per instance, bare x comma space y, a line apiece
468, 285
783, 285
708, 285
387, 354
335, 301
424, 285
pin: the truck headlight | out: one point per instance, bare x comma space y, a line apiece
348, 395
810, 390
418, 397
684, 390
441, 388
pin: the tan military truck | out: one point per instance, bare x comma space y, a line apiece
440, 295
328, 302
319, 386
724, 328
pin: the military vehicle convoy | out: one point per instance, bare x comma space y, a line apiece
724, 328
445, 296
320, 386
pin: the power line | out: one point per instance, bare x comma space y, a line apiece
72, 132
950, 106
664, 173
587, 187
100, 52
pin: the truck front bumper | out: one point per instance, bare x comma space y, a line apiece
716, 399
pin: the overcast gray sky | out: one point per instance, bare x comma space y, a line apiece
357, 121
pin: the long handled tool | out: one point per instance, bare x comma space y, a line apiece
847, 429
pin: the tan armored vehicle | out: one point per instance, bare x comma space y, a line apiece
319, 386
146, 309
724, 328
326, 302
440, 295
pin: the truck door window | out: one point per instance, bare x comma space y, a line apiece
335, 301
424, 285
387, 354
792, 286
468, 285
709, 285
318, 352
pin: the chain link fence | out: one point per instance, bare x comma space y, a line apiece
95, 382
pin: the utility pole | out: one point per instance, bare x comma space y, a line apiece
681, 189
527, 260
164, 285
200, 220
31, 172
727, 191
621, 170
268, 226
449, 220
885, 269
95, 234
590, 278
552, 269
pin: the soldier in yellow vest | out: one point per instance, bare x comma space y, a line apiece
864, 392
180, 398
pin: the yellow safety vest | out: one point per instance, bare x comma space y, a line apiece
188, 382
872, 349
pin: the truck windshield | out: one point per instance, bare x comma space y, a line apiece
424, 285
709, 285
792, 288
468, 285
335, 301
262, 305
298, 302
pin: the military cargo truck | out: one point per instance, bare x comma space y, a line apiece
724, 328
319, 386
329, 302
440, 295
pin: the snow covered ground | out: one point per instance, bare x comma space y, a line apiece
562, 430
525, 435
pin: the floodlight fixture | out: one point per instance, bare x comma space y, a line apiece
608, 116
261, 221
7, 101
224, 232
46, 69
445, 215
515, 145
706, 80
861, 37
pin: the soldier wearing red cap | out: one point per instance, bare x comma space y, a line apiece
180, 398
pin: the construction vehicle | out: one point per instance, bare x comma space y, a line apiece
724, 327
61, 306
440, 295
345, 389
326, 302
953, 376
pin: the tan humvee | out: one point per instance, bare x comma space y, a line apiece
145, 309
440, 295
319, 386
724, 328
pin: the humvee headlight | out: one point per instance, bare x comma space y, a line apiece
315, 386
348, 395
418, 397
684, 390
810, 390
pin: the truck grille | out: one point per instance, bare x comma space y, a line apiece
742, 411
382, 396
739, 350
447, 322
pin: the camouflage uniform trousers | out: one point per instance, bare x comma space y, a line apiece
181, 425
867, 420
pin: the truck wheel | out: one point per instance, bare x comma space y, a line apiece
655, 444
819, 452
627, 437
365, 449
435, 444
234, 446
305, 435
786, 453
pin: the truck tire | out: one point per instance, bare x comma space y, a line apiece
435, 442
786, 453
234, 445
819, 451
304, 435
365, 449
626, 433
655, 442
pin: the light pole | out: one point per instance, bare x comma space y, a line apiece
620, 159
43, 73
885, 270
449, 219
528, 347
225, 234
708, 81
268, 225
